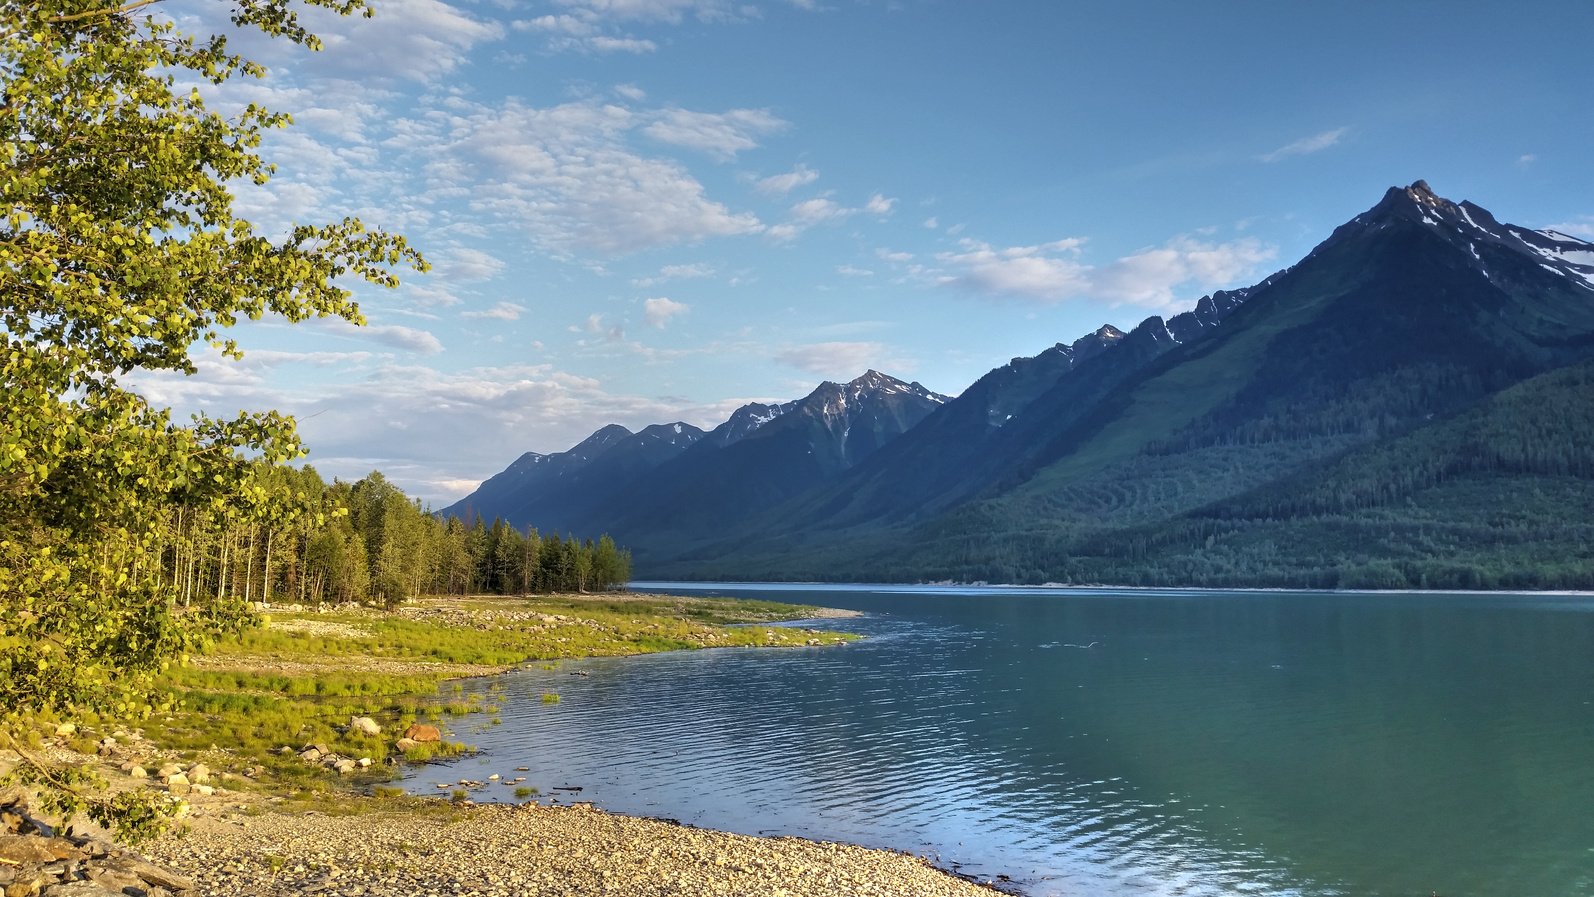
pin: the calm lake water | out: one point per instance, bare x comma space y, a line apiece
1203, 743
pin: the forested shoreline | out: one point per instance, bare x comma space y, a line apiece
369, 541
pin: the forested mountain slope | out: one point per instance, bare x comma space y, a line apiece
1401, 327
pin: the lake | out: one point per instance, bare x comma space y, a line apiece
1107, 742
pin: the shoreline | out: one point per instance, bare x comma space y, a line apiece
425, 846
1098, 587
291, 828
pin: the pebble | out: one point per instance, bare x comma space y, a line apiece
527, 851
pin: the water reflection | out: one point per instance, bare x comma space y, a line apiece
1201, 743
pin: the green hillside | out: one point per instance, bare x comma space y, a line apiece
1397, 410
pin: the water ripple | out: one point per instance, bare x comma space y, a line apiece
1208, 745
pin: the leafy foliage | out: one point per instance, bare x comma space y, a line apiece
119, 252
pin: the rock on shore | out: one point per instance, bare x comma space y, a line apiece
527, 851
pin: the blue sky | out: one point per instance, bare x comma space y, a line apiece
641, 211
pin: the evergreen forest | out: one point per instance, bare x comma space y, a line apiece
368, 541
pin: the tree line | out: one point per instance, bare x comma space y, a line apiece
368, 541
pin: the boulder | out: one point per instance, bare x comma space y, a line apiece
404, 744
421, 732
89, 888
65, 729
178, 784
199, 773
27, 849
153, 874
111, 880
364, 725
310, 755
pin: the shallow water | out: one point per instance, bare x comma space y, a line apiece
1108, 742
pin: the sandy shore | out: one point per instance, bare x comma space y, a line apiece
525, 851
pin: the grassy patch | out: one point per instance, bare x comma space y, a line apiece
301, 677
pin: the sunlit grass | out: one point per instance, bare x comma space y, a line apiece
280, 686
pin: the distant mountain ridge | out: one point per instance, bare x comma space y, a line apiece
619, 482
1184, 450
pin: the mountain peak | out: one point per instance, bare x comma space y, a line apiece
601, 439
1414, 201
873, 378
1421, 192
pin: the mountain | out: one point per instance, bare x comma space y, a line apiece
990, 428
687, 489
540, 490
723, 480
532, 474
1176, 452
744, 420
1408, 405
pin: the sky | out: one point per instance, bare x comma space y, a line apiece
644, 211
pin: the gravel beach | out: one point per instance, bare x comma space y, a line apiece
280, 814
525, 851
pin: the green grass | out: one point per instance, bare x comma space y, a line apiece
277, 686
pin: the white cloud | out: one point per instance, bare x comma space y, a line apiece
686, 272
503, 311
1054, 272
567, 175
824, 210
600, 25
1582, 226
721, 135
840, 360
598, 325
660, 311
413, 40
694, 271
815, 211
574, 26
605, 44
1049, 272
1150, 278
464, 263
407, 339
800, 176
1526, 159
888, 255
671, 11
1306, 145
850, 271
932, 222
631, 92
781, 233
879, 205
387, 416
